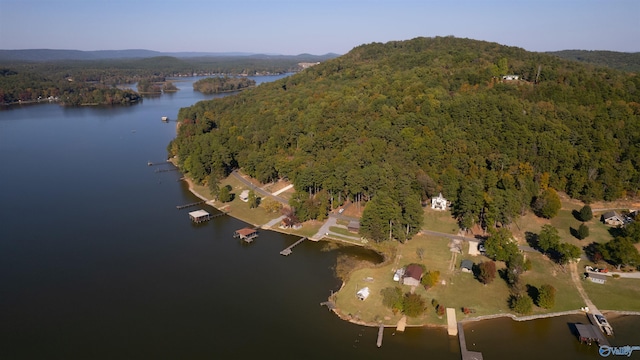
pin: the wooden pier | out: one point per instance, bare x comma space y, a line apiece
166, 170
180, 207
466, 354
380, 333
288, 250
149, 163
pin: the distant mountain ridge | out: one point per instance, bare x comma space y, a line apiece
613, 59
42, 55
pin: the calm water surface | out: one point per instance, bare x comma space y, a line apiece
97, 263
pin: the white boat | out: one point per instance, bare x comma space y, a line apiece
165, 119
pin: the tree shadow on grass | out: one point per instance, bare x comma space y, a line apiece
533, 293
532, 239
576, 215
574, 233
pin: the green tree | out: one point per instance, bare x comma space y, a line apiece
378, 218
487, 272
522, 304
567, 252
547, 204
253, 200
546, 296
212, 184
586, 214
621, 251
225, 194
549, 238
430, 279
499, 245
413, 305
583, 231
392, 298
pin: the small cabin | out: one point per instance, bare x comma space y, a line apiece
199, 216
354, 226
363, 293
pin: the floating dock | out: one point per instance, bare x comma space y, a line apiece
199, 216
246, 234
380, 334
288, 251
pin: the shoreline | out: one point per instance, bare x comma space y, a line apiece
336, 311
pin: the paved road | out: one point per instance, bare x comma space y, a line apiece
324, 230
258, 190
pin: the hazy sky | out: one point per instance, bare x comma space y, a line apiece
314, 26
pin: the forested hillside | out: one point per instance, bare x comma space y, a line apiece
395, 123
616, 60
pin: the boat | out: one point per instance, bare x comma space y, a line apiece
165, 118
601, 322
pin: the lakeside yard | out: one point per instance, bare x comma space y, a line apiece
455, 289
459, 290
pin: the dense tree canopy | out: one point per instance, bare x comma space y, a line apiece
403, 120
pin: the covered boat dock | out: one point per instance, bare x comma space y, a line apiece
199, 216
589, 334
246, 234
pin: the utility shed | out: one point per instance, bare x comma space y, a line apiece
199, 216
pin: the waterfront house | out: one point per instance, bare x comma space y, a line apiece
439, 202
612, 218
412, 275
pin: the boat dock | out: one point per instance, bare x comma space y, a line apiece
180, 207
246, 234
466, 354
288, 251
589, 334
380, 333
149, 163
199, 216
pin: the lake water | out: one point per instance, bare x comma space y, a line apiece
97, 263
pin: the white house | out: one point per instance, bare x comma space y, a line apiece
439, 202
363, 293
244, 195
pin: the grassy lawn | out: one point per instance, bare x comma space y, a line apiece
459, 290
440, 221
564, 221
544, 271
615, 294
